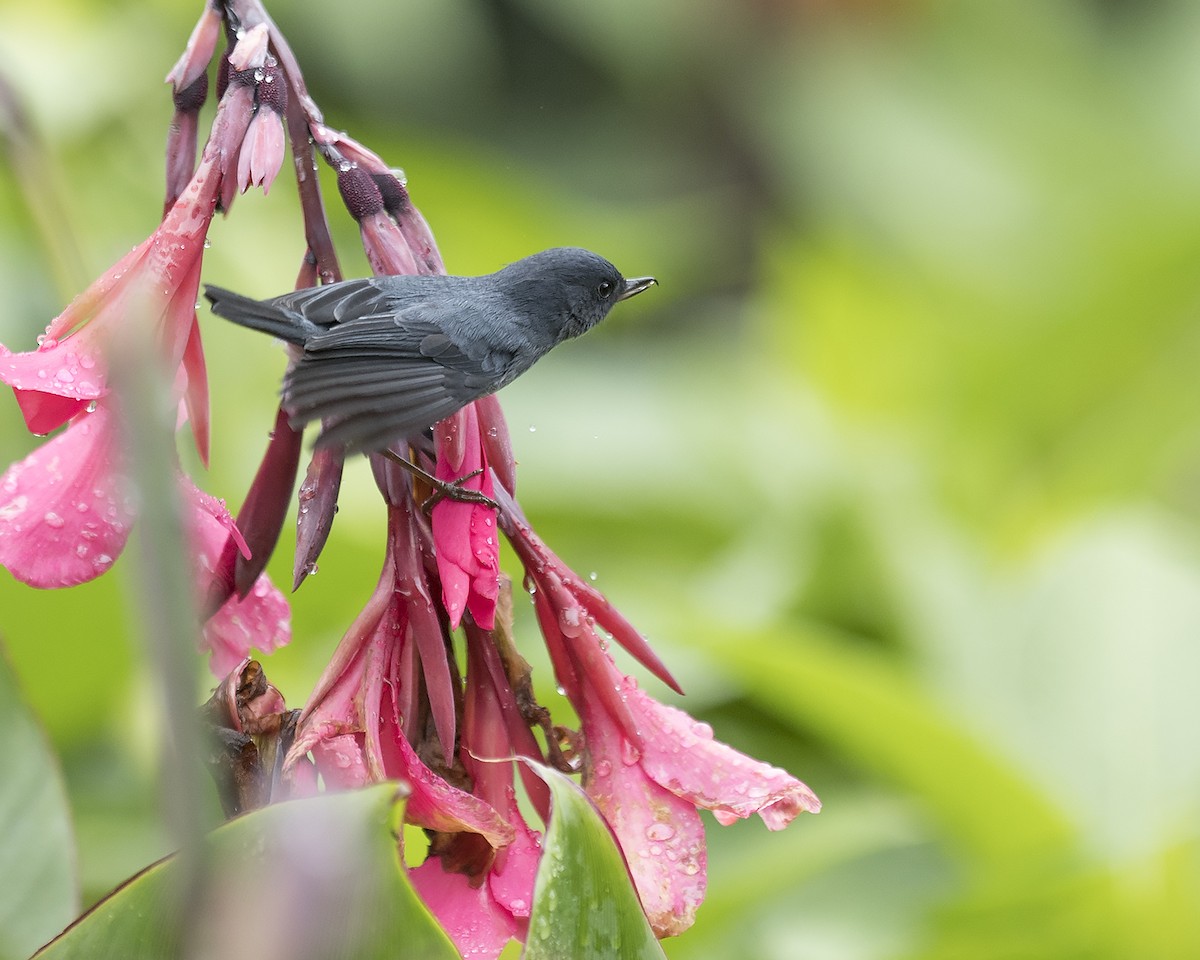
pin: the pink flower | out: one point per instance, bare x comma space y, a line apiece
363, 721
64, 511
482, 913
649, 767
464, 534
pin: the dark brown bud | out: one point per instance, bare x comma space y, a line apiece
395, 197
191, 98
272, 90
359, 192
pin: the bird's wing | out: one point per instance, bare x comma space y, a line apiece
376, 378
334, 303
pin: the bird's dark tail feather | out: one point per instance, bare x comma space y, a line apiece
259, 315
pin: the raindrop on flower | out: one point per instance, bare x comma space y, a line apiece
52, 519
660, 831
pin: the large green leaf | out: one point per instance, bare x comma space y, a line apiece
312, 878
37, 853
584, 904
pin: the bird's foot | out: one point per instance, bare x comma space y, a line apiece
444, 489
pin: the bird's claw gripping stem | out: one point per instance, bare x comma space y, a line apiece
444, 489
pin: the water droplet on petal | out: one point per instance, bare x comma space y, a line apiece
660, 831
52, 519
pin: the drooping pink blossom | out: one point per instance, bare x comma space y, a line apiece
465, 537
359, 719
649, 767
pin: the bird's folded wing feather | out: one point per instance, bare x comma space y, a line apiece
376, 378
335, 303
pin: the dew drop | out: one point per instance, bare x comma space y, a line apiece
660, 831
52, 519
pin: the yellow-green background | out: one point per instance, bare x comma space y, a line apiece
898, 468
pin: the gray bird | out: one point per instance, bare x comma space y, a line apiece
386, 357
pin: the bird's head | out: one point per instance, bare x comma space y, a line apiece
576, 288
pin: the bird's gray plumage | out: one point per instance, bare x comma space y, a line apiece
385, 357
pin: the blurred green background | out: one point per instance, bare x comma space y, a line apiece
898, 468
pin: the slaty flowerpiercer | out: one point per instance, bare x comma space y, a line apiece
383, 358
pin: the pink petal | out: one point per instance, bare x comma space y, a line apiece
199, 50
478, 925
64, 517
660, 834
680, 754
53, 383
195, 396
262, 620
464, 534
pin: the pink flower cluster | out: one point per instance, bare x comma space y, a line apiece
66, 510
427, 685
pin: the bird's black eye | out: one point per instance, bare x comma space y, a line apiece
604, 290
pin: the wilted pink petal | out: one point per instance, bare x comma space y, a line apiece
199, 50
385, 247
464, 534
262, 151
64, 517
251, 48
660, 834
471, 917
262, 620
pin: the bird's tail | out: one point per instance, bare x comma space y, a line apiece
260, 315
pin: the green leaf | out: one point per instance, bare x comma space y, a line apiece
319, 877
584, 904
37, 851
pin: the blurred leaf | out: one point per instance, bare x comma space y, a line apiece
37, 853
310, 878
584, 904
876, 716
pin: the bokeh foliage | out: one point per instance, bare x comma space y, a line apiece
898, 467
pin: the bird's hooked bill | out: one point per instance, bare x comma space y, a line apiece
634, 286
